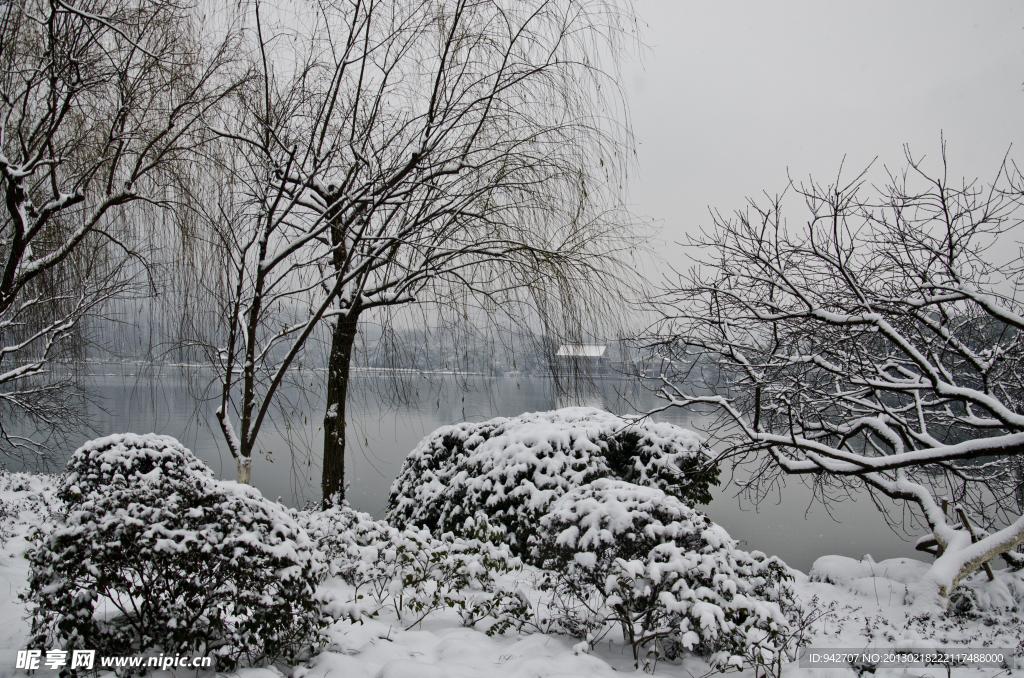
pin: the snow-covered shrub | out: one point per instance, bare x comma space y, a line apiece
409, 569
624, 554
6, 522
662, 455
25, 499
154, 554
513, 468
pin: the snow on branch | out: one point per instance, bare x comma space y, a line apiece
877, 346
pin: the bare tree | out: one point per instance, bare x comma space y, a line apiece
99, 100
251, 283
878, 346
470, 175
456, 156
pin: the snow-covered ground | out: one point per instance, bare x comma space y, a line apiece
860, 604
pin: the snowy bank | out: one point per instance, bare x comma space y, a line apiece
403, 602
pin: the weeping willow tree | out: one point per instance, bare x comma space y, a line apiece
465, 159
99, 105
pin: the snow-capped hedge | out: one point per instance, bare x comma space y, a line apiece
409, 570
153, 553
514, 468
668, 576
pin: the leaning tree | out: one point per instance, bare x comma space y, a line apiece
464, 157
877, 344
99, 101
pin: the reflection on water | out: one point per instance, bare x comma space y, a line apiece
787, 524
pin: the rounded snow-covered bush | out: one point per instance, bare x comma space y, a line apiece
512, 469
670, 578
152, 553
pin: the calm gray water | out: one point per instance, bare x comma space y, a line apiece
788, 524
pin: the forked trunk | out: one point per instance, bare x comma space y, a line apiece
342, 339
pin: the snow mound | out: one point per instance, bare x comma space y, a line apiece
886, 581
977, 596
374, 648
893, 581
841, 570
514, 468
879, 588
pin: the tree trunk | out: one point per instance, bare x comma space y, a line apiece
963, 555
342, 339
245, 471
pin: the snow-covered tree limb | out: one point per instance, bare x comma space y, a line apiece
876, 346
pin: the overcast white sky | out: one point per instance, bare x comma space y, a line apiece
731, 94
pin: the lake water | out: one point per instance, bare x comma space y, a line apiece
787, 524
